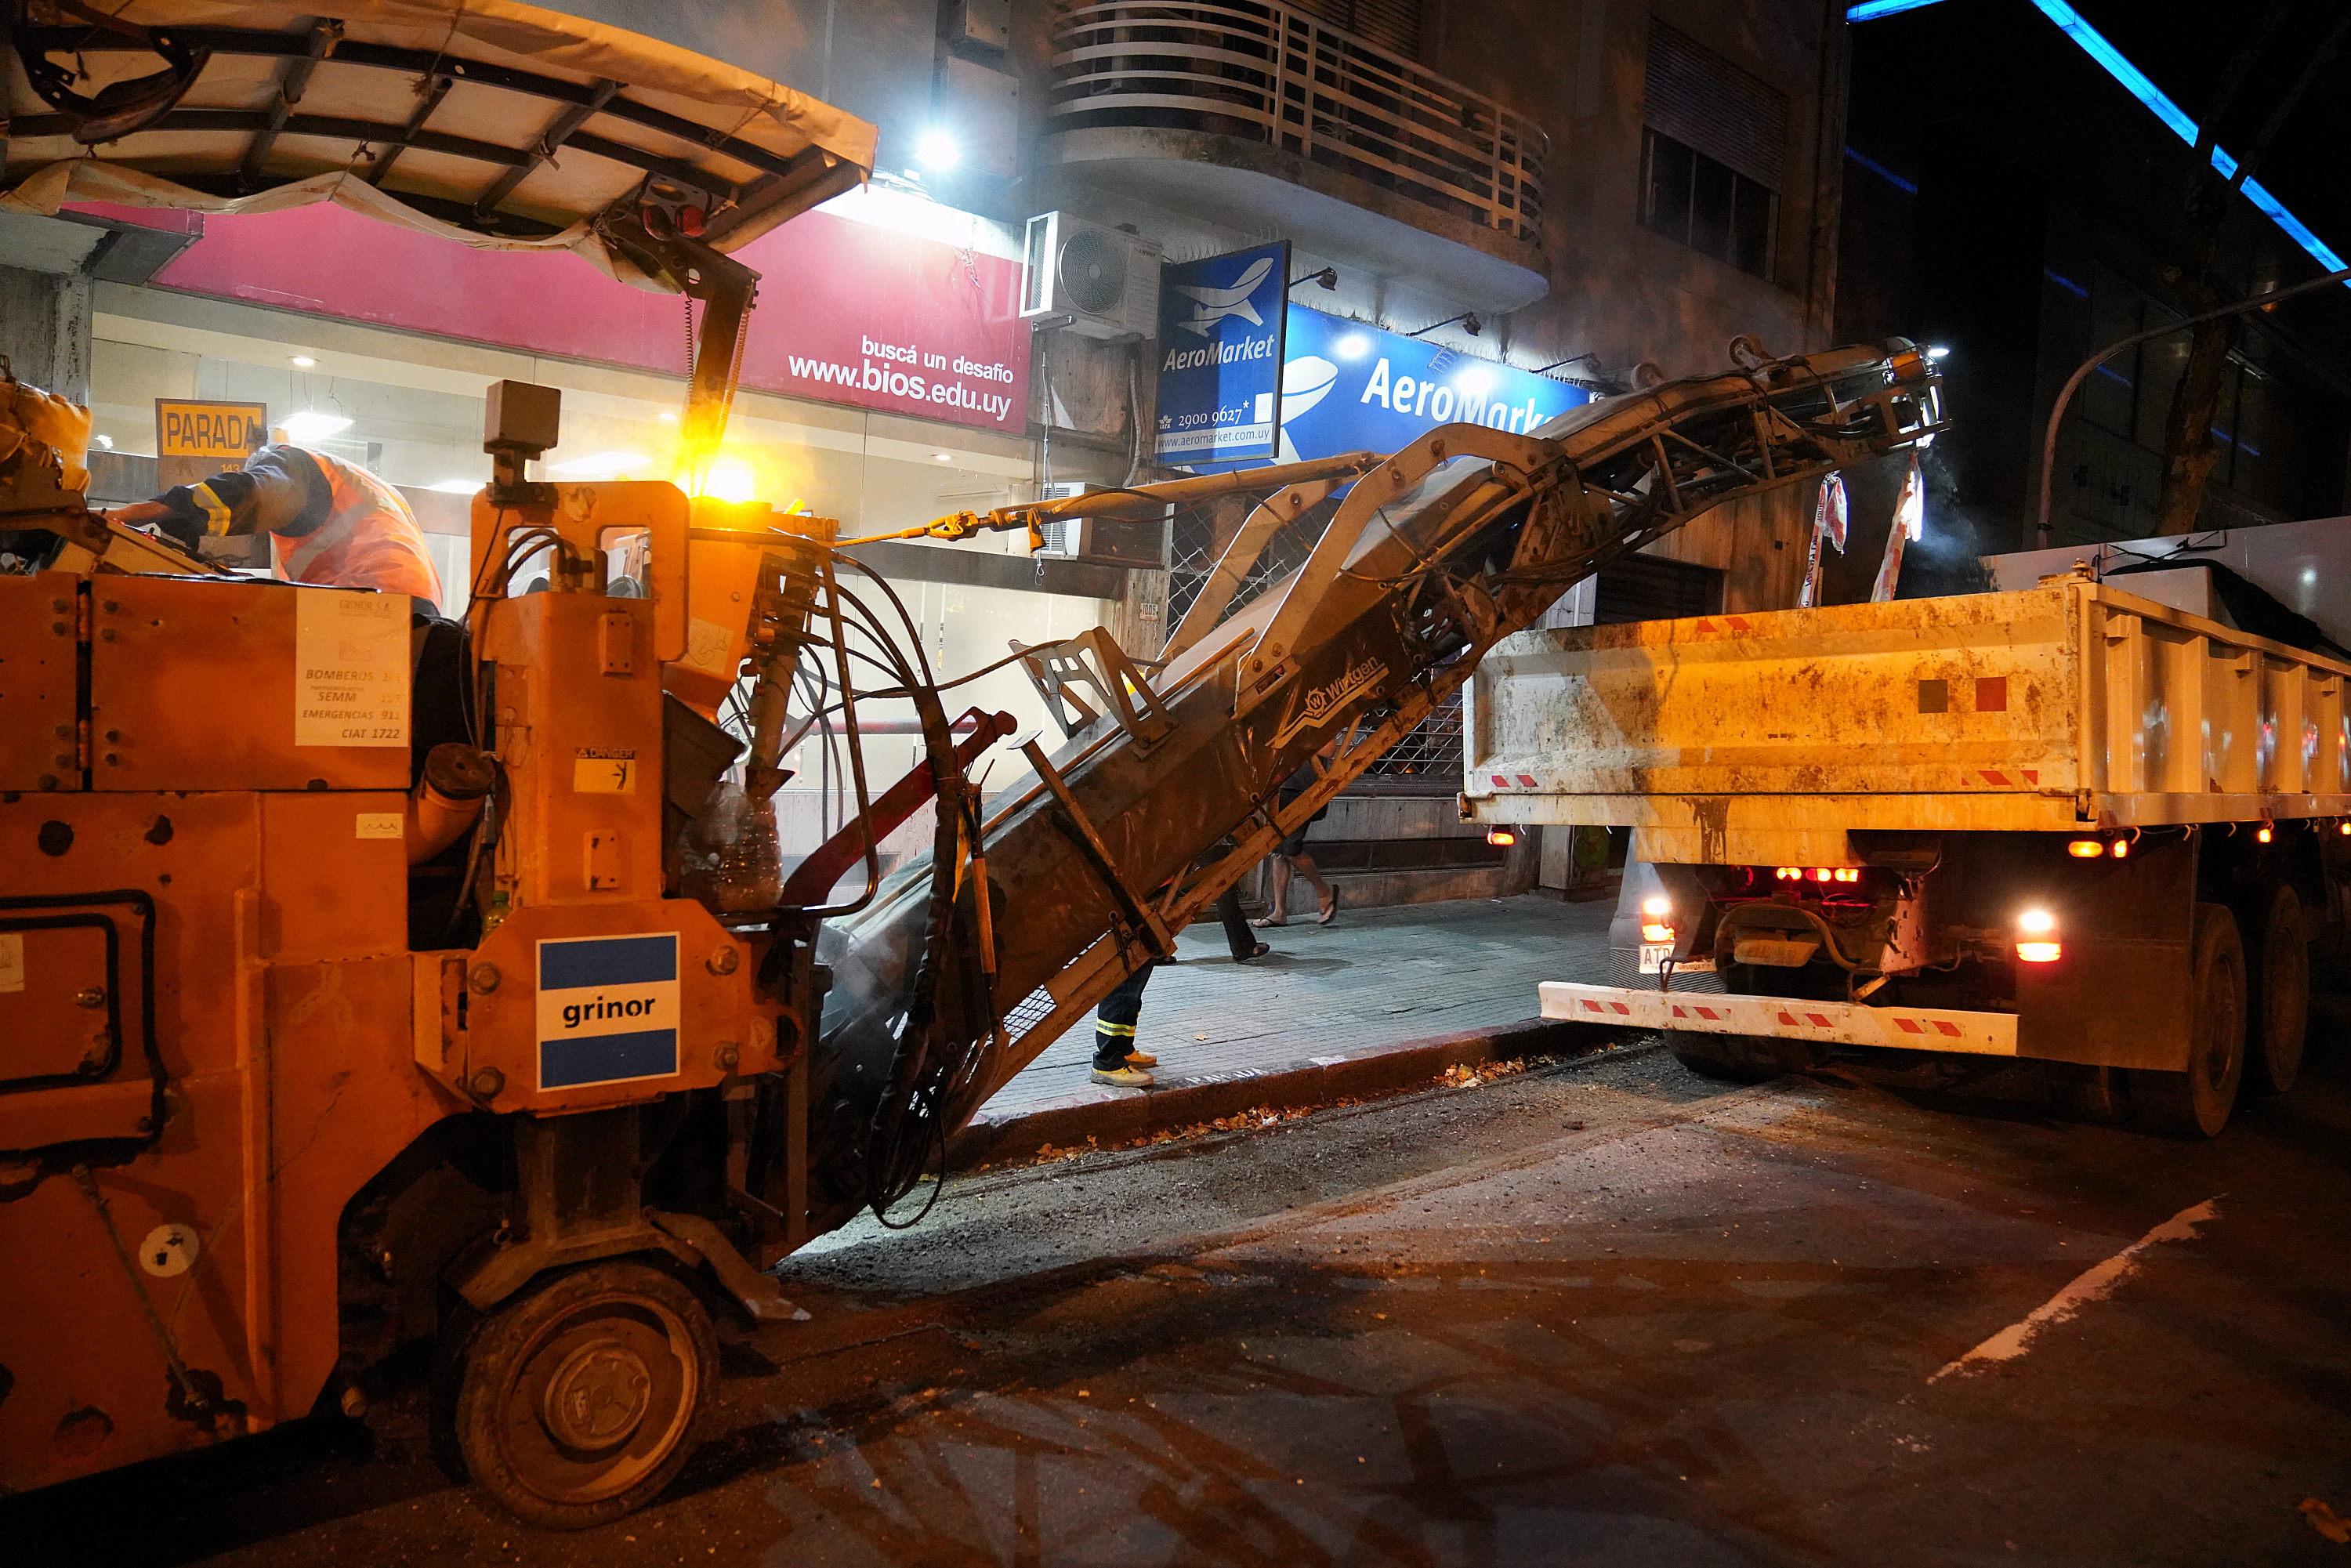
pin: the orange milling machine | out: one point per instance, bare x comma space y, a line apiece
246, 1051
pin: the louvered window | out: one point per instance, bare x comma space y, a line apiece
1392, 25
1710, 106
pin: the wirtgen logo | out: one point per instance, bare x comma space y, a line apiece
1324, 702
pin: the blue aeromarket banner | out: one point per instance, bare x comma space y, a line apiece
1220, 344
1346, 387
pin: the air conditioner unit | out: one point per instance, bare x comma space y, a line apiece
1096, 281
1104, 541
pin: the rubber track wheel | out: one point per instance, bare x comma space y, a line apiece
2277, 972
2196, 1103
576, 1400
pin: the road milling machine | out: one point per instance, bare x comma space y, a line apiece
368, 1002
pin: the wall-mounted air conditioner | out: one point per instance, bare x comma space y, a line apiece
1106, 542
1096, 281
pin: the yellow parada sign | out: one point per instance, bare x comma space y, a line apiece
218, 433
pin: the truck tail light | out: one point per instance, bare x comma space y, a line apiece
2264, 835
1502, 838
1656, 920
1796, 873
1849, 873
2087, 848
2036, 937
2120, 849
1822, 874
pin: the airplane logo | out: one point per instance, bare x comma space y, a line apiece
1216, 303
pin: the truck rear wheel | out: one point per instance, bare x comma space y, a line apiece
2279, 973
576, 1400
2196, 1103
1737, 1058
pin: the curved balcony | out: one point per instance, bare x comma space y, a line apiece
1210, 90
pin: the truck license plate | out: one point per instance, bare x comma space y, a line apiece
1654, 957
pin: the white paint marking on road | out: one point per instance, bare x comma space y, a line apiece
2092, 1285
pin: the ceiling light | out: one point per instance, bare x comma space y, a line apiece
455, 486
105, 441
1938, 352
311, 425
1354, 346
943, 456
937, 151
669, 416
303, 361
1474, 382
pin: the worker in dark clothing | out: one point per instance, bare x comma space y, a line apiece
328, 521
1115, 1023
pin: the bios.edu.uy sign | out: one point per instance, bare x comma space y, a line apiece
1221, 326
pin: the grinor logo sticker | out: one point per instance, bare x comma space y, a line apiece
1324, 702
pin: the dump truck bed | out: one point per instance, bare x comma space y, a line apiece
1764, 738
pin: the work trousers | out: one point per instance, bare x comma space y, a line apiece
1238, 935
1114, 1021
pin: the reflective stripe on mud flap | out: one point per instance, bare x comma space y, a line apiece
1844, 1023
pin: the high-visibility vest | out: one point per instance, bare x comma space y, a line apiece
370, 540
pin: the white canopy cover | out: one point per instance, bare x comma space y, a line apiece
502, 125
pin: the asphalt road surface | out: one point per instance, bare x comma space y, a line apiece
1601, 1313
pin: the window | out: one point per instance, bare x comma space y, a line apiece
1705, 204
1714, 152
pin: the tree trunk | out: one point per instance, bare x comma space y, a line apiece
2188, 453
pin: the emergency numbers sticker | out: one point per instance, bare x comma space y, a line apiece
351, 668
608, 1009
381, 825
603, 770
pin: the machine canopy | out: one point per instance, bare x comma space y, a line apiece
505, 126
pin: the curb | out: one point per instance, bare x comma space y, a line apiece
1124, 1115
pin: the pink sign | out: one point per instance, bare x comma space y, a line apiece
847, 312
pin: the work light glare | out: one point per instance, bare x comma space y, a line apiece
937, 151
2034, 922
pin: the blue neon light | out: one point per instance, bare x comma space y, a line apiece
2136, 83
1871, 10
2065, 283
1882, 171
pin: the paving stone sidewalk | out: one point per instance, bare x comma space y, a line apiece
1371, 978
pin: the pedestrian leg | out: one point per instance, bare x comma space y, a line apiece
1238, 935
1115, 1023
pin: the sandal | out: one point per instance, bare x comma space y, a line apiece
1262, 949
1269, 920
1331, 912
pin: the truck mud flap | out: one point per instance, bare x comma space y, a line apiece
1836, 1023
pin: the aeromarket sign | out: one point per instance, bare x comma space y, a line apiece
1220, 339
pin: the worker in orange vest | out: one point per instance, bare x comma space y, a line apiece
328, 521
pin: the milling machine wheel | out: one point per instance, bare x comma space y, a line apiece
2196, 1103
576, 1400
2278, 986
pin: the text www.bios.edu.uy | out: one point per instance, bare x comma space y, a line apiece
873, 378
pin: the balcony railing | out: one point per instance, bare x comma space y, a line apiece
1268, 73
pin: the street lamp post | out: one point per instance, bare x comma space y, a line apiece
2074, 382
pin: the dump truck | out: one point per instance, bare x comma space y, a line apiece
382, 997
2068, 824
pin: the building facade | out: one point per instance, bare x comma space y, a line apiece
1593, 191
